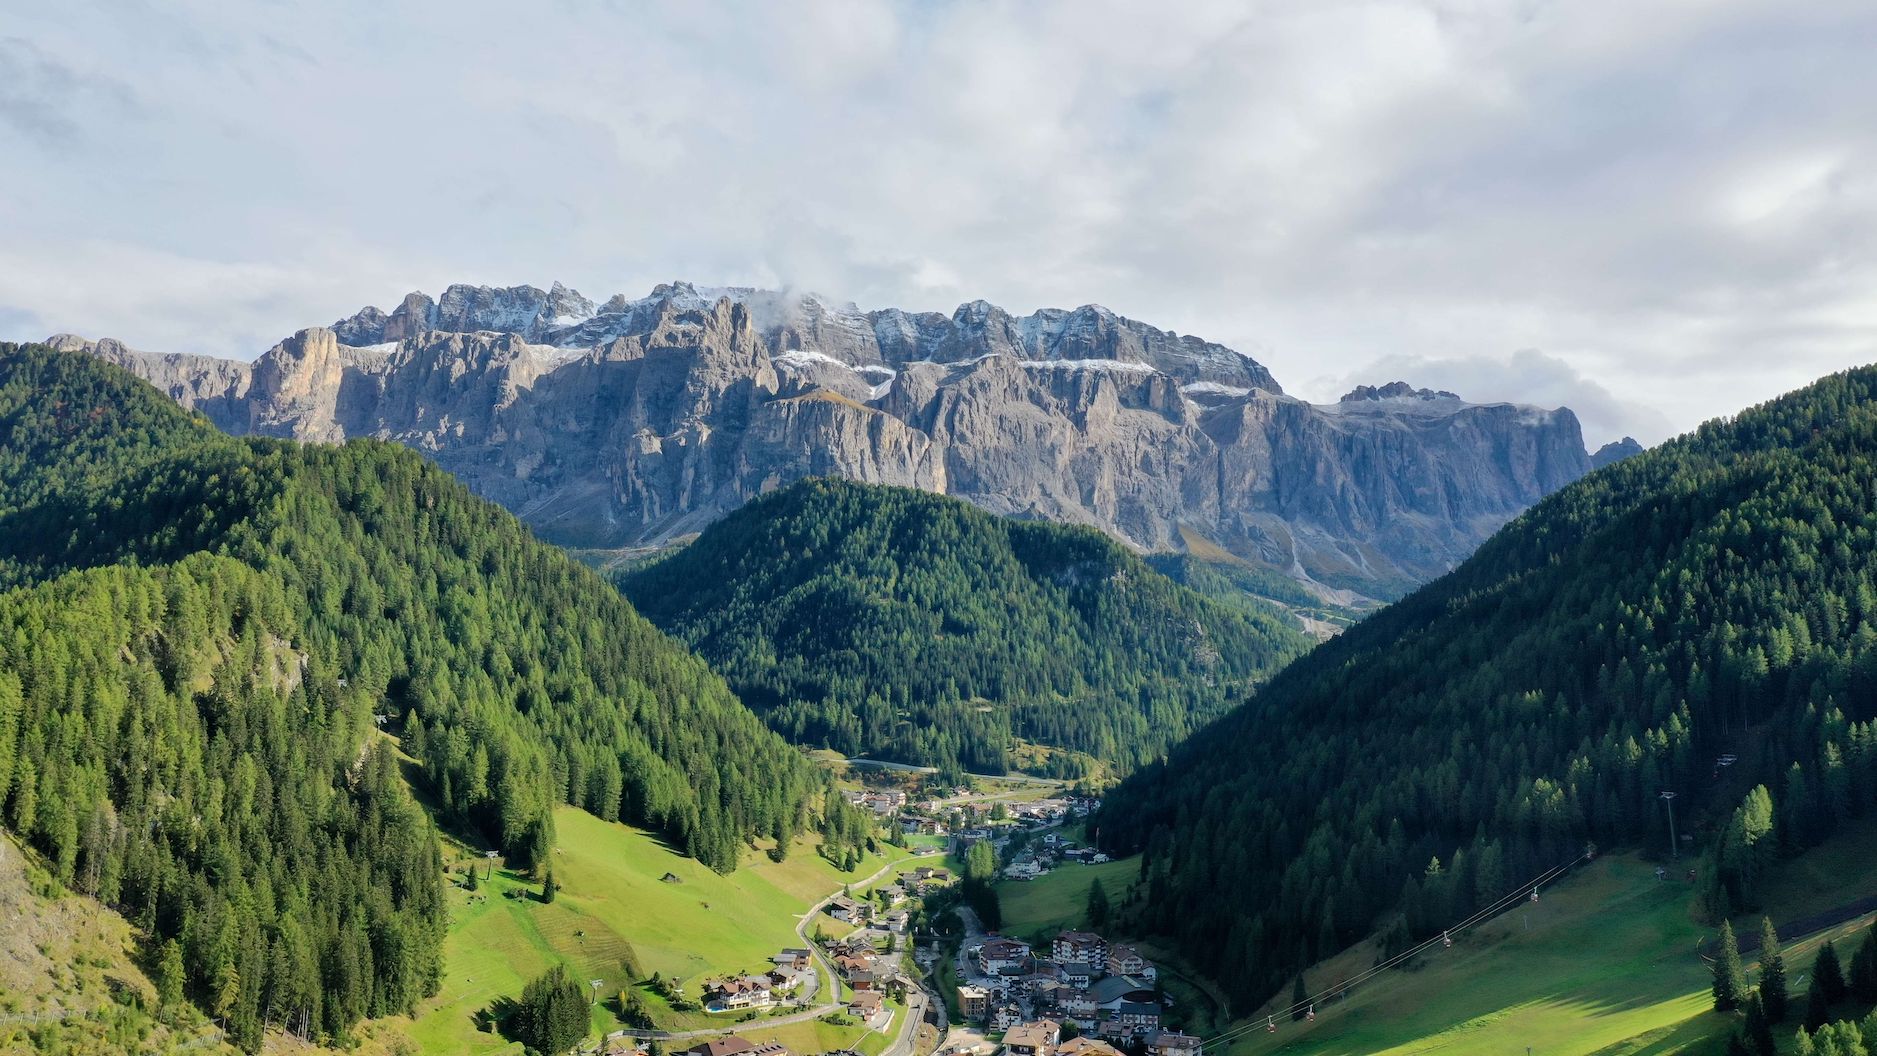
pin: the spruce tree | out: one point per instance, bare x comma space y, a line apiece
1773, 996
552, 1014
1097, 905
1817, 1008
1729, 978
169, 975
1863, 980
549, 887
1758, 1030
1299, 995
1828, 974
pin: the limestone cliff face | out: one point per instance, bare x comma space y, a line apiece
636, 421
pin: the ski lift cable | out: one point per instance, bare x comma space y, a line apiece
1478, 917
1509, 899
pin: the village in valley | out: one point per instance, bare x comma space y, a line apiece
901, 964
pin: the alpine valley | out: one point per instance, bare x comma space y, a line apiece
308, 745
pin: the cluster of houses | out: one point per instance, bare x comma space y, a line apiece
886, 910
892, 919
1108, 991
881, 801
792, 973
869, 977
1051, 850
974, 824
1043, 1037
968, 823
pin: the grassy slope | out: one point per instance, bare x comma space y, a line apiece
612, 893
1059, 898
69, 981
1608, 966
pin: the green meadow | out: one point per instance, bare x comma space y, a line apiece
1605, 963
623, 892
1059, 898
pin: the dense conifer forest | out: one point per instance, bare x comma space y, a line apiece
894, 623
200, 636
1714, 597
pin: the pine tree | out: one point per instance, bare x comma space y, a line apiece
1817, 1006
549, 887
473, 882
1299, 998
1097, 905
1729, 978
1773, 996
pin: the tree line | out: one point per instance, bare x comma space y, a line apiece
1764, 1008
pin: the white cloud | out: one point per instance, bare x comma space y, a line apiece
1672, 200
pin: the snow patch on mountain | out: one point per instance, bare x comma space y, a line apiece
1089, 364
1213, 388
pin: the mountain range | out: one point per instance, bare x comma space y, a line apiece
636, 422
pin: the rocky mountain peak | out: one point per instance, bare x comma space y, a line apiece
1394, 390
1615, 451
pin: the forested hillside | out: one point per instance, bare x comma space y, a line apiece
1715, 596
891, 622
199, 634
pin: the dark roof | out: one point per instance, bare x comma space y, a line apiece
725, 1046
1115, 987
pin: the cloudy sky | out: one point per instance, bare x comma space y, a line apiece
1653, 212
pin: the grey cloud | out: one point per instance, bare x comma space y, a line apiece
1670, 200
50, 103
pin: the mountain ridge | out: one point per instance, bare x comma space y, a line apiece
635, 422
895, 623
